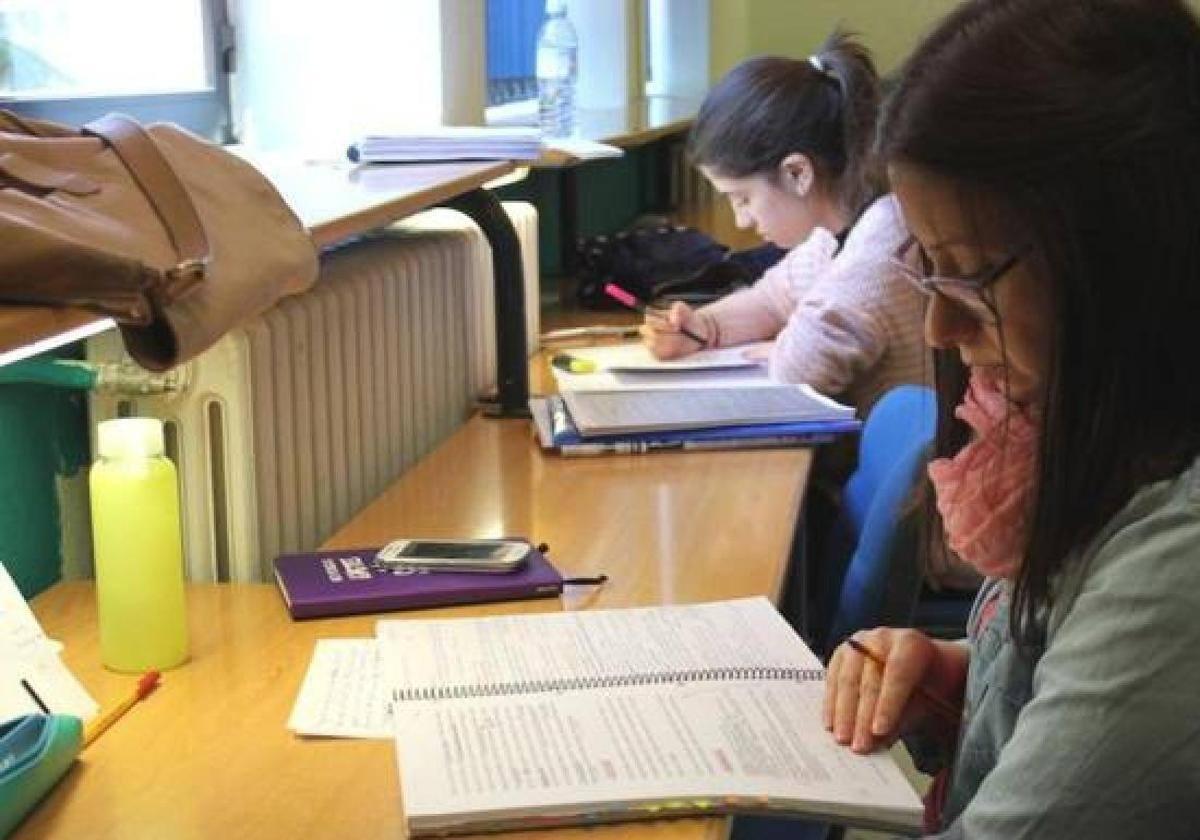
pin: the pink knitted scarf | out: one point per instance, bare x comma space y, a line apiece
984, 492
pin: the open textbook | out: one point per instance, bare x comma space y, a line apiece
577, 717
598, 413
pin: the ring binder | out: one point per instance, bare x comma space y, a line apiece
601, 715
695, 675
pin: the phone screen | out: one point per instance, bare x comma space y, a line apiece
453, 551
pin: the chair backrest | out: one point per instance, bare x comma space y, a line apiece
876, 534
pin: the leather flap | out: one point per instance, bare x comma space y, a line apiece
42, 177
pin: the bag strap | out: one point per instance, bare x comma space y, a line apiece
166, 194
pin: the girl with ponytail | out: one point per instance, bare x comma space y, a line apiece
788, 143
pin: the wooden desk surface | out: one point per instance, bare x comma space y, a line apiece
333, 201
208, 755
635, 124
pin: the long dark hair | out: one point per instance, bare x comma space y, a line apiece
1079, 124
769, 107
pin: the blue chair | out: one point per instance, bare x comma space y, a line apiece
872, 556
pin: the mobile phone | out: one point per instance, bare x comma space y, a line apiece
494, 556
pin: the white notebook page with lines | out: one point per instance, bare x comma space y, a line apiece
607, 715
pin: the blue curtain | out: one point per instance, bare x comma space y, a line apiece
512, 28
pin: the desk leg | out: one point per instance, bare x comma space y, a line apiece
568, 233
512, 362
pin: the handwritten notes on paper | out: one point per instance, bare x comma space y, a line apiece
344, 694
29, 662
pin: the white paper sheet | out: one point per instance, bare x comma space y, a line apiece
30, 664
344, 693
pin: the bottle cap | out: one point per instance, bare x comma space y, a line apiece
130, 437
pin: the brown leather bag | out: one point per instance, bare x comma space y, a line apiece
172, 236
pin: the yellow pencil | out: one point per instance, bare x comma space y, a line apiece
96, 728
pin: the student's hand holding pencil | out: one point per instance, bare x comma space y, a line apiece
665, 332
881, 683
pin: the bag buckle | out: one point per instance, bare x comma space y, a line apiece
183, 276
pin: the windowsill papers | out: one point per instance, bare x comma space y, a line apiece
443, 143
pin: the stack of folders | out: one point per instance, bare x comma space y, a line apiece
626, 402
448, 143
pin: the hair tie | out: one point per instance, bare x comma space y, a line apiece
818, 65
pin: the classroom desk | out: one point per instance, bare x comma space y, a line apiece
335, 203
634, 124
207, 755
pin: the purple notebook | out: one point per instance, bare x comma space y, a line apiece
349, 581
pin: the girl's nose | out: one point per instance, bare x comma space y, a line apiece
948, 325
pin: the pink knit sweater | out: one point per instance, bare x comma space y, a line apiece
843, 322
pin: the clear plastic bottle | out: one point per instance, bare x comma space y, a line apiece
557, 71
138, 548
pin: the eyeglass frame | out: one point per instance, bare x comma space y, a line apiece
965, 292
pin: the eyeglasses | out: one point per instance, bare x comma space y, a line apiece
914, 264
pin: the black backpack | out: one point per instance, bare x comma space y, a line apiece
666, 262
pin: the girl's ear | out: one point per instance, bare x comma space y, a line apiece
796, 174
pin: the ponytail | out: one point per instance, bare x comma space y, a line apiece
769, 107
851, 67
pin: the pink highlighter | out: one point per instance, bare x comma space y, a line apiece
625, 299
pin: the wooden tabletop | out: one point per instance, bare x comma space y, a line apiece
635, 124
208, 755
333, 200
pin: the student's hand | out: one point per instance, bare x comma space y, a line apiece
867, 706
661, 331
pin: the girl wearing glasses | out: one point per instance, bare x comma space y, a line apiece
786, 141
1046, 158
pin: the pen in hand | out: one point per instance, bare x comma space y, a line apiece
623, 297
939, 705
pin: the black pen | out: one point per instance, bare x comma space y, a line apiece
29, 689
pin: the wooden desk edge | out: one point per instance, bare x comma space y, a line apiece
344, 227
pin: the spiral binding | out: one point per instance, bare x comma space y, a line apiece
466, 692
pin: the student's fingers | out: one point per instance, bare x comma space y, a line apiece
845, 707
909, 657
863, 740
679, 315
829, 702
663, 345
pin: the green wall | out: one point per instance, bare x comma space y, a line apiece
742, 28
43, 443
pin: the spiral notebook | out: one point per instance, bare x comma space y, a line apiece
605, 715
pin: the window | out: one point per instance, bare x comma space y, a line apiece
512, 30
74, 60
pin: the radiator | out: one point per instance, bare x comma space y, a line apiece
292, 423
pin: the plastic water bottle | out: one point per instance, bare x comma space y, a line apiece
138, 547
557, 71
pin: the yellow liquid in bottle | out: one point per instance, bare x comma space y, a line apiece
139, 563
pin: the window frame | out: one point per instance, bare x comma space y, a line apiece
205, 112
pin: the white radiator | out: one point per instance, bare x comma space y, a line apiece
292, 423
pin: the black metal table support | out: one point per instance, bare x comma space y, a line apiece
568, 233
512, 362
